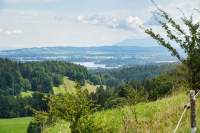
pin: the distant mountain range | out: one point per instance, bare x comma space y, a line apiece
145, 42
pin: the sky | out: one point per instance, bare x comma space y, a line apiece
45, 23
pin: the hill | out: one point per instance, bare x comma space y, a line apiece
145, 42
159, 116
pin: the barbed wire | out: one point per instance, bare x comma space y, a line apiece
197, 94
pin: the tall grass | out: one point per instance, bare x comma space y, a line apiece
156, 117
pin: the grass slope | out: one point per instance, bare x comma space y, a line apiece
15, 125
69, 86
156, 117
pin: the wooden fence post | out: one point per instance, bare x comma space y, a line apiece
193, 111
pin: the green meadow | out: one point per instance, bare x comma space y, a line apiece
14, 125
69, 86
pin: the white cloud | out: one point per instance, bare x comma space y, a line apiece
13, 32
82, 19
129, 23
10, 32
134, 22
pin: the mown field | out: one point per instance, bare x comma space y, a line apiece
69, 86
15, 125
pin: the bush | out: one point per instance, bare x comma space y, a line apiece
88, 125
34, 128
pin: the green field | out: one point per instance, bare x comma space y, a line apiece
69, 86
15, 125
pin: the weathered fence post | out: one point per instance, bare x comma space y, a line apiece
193, 111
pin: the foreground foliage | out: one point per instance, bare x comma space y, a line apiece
70, 107
187, 36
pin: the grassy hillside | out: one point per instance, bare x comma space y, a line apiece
159, 116
156, 117
69, 85
16, 125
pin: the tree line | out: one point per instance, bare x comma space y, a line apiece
123, 75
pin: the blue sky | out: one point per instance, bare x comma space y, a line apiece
41, 23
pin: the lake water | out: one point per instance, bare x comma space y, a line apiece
91, 64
